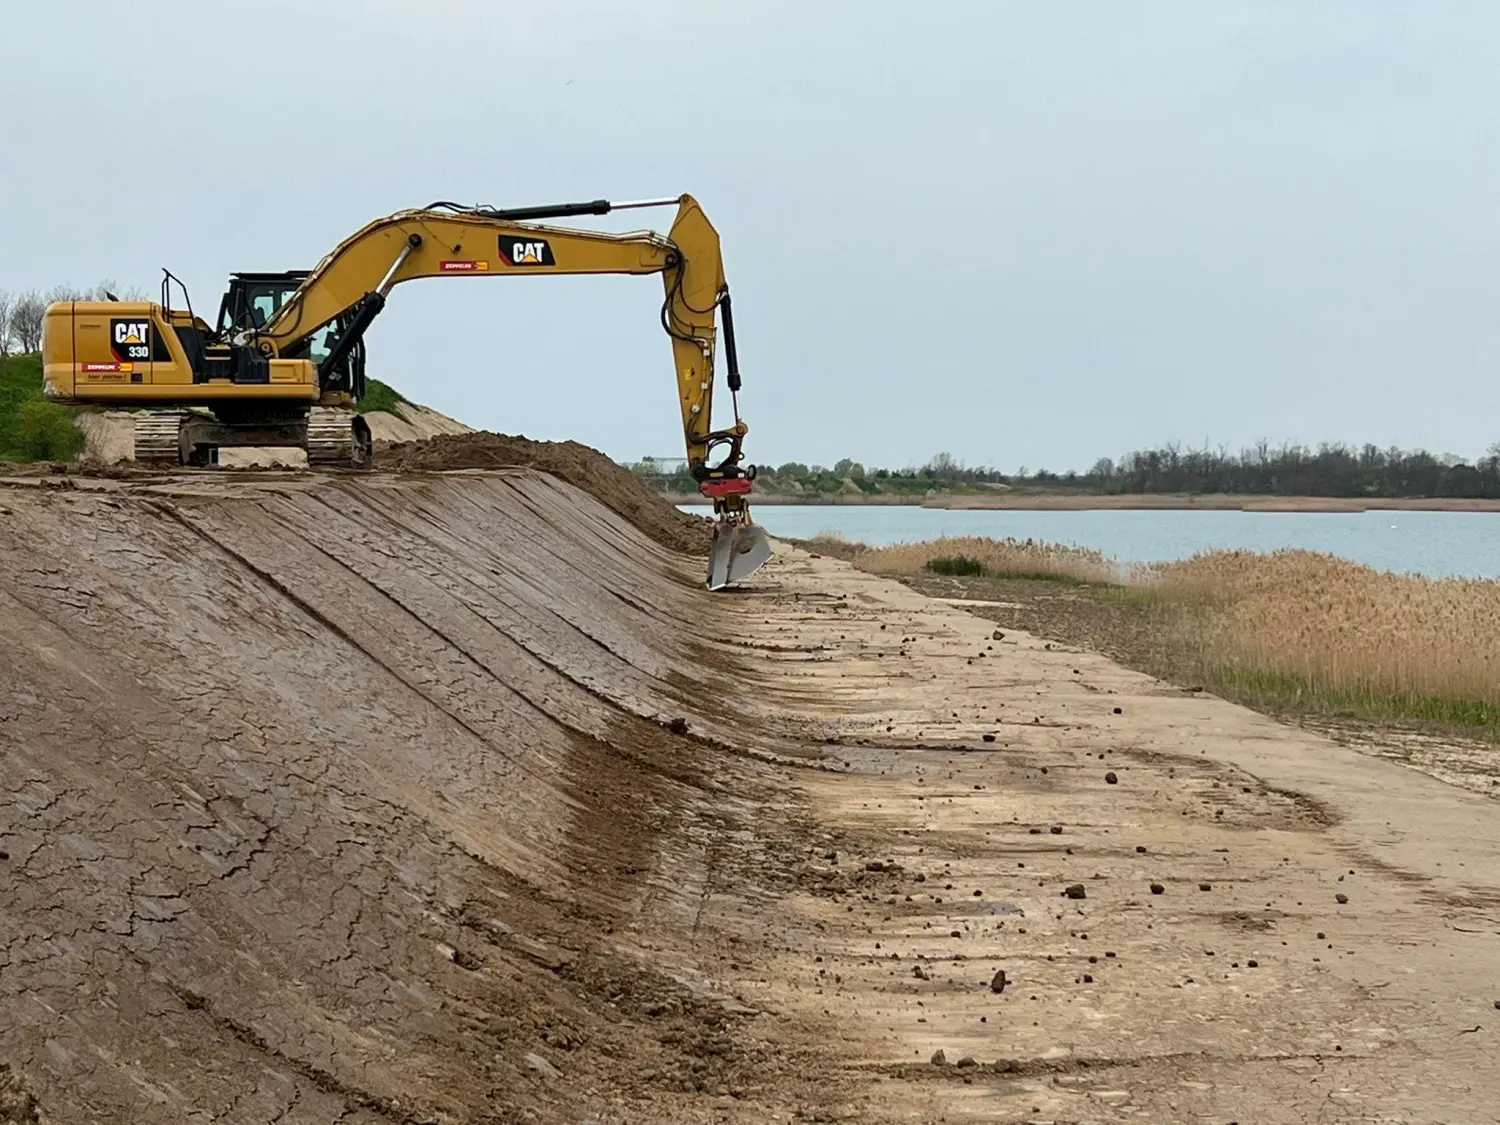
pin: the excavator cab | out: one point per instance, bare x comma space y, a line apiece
254, 299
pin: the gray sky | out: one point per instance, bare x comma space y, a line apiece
1024, 233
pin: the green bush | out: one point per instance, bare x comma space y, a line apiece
44, 431
956, 566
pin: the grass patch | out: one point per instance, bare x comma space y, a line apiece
382, 397
1058, 577
44, 431
962, 566
1283, 693
955, 566
31, 428
957, 556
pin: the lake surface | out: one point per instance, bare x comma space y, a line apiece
1441, 544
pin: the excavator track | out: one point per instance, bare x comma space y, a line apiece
157, 435
337, 439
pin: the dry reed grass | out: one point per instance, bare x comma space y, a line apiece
1289, 630
1001, 558
1339, 627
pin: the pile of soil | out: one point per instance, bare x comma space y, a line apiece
613, 485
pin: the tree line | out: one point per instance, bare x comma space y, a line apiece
1288, 469
21, 314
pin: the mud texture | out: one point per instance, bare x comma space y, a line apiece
453, 798
355, 799
608, 482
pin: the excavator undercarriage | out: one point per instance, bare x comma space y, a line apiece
331, 437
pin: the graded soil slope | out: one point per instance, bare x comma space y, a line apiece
368, 800
453, 798
610, 483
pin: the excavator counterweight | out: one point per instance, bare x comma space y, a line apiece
285, 363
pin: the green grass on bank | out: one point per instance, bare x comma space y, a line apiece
383, 397
31, 428
956, 566
1281, 693
961, 566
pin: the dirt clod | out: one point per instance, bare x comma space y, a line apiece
1076, 891
987, 737
542, 1066
939, 1058
1341, 898
678, 726
998, 983
1205, 886
1111, 778
966, 1062
19, 1107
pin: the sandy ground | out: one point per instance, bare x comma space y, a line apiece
454, 799
1244, 990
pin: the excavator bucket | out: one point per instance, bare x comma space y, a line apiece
739, 550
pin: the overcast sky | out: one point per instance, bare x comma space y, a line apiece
1025, 233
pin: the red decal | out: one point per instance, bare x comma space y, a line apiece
462, 266
101, 367
735, 486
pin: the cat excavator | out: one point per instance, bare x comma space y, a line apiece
284, 365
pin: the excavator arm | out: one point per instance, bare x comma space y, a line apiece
446, 241
351, 284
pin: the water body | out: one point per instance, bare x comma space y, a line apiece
1441, 544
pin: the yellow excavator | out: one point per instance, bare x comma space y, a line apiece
285, 363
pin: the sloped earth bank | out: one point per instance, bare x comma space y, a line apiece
610, 483
453, 798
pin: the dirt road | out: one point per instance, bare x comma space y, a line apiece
1269, 928
452, 798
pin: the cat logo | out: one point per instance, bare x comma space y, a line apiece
518, 251
130, 340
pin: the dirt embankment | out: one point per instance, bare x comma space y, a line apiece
610, 483
377, 800
452, 798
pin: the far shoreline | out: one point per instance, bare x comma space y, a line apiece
1068, 502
